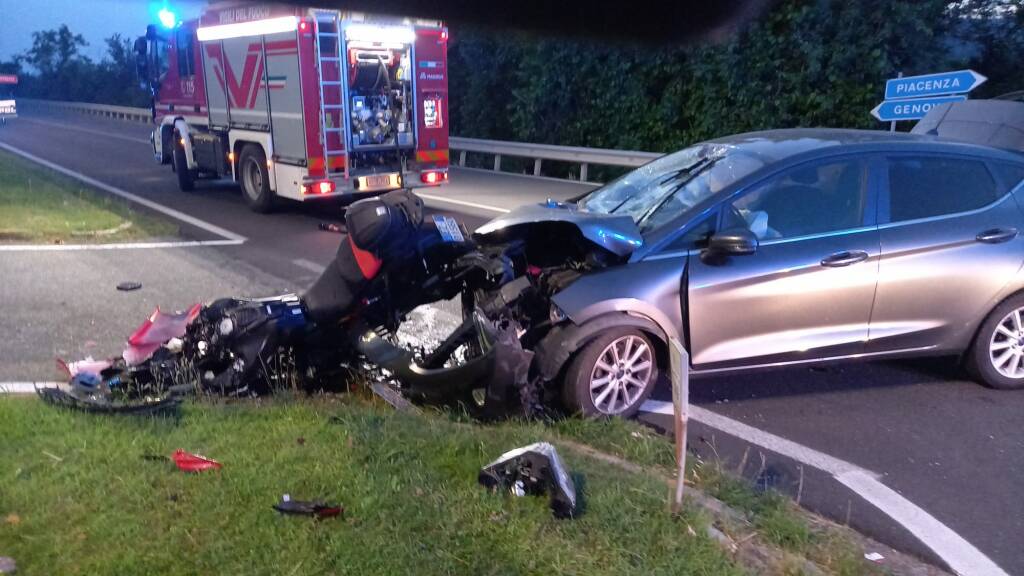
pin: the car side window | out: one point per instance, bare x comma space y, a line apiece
185, 53
809, 199
1012, 175
694, 238
924, 187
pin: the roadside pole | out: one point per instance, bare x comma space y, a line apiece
892, 124
680, 367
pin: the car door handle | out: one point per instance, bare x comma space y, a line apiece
844, 258
997, 235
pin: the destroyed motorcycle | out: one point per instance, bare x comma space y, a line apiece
391, 260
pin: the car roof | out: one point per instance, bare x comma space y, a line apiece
776, 145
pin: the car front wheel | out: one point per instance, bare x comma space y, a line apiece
996, 358
612, 375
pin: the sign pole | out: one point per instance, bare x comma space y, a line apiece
680, 367
892, 125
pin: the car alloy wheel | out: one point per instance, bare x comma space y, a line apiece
1006, 347
621, 374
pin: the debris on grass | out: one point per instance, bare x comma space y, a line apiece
316, 508
187, 462
534, 470
7, 565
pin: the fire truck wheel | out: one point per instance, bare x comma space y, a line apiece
252, 169
186, 179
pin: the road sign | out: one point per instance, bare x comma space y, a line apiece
915, 109
958, 82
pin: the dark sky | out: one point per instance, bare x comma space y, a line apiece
93, 19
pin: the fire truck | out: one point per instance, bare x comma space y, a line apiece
8, 107
299, 103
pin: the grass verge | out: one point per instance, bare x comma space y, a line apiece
77, 497
41, 206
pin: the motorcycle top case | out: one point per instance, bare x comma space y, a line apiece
385, 226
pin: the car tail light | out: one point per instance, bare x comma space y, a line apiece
321, 187
433, 177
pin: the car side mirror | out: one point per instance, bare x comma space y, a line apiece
732, 242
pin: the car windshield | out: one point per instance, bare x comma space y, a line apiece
669, 186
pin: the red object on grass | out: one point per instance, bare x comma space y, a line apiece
155, 331
187, 462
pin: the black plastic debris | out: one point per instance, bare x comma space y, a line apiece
533, 470
129, 286
330, 227
315, 508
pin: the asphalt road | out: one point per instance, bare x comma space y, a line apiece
952, 447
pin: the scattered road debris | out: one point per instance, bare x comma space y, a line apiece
315, 508
188, 462
129, 286
534, 470
330, 227
874, 557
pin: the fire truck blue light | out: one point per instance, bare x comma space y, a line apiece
167, 18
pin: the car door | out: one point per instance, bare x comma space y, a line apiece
949, 232
807, 290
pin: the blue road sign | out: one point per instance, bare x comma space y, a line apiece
915, 109
958, 82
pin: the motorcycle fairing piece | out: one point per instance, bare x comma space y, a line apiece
534, 470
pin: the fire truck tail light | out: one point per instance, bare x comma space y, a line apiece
433, 177
321, 187
303, 25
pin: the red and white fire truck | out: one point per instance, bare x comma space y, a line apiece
299, 103
8, 107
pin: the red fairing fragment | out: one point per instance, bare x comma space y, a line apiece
187, 462
155, 331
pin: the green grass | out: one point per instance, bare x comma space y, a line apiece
84, 501
38, 205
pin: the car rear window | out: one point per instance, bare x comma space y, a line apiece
923, 187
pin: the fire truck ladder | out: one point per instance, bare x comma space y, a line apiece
328, 56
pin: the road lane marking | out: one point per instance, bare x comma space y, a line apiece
87, 130
119, 246
25, 387
463, 203
958, 553
309, 265
962, 557
228, 235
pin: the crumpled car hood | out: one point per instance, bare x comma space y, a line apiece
616, 233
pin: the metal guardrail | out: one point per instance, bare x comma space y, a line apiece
498, 148
124, 112
540, 152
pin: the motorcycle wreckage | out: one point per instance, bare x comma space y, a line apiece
391, 261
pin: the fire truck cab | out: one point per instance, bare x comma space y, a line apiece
299, 103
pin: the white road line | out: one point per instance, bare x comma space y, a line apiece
25, 387
961, 555
192, 220
87, 130
121, 246
958, 553
309, 265
463, 203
